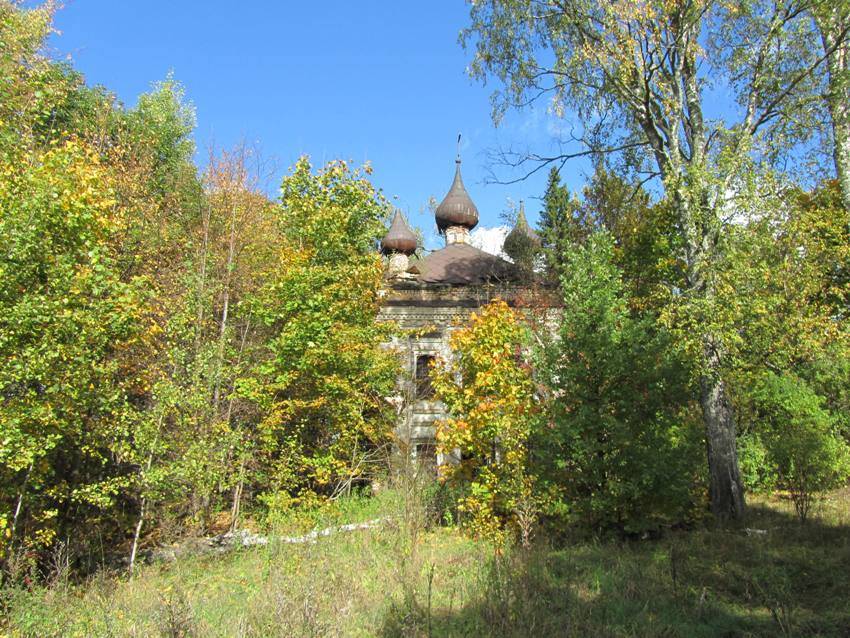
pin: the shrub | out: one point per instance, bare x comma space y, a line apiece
802, 440
758, 473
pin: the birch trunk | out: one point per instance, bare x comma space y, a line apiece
202, 278
222, 334
726, 490
20, 503
237, 490
701, 235
137, 532
833, 22
237, 497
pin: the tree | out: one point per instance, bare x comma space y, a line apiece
643, 233
832, 19
488, 391
558, 224
632, 73
783, 284
622, 446
321, 374
783, 291
196, 437
66, 319
524, 247
99, 206
27, 92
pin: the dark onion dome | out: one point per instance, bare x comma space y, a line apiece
399, 238
457, 208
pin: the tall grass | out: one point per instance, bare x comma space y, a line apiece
412, 578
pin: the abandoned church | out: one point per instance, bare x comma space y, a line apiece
428, 297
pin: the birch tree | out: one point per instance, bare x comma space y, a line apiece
641, 78
832, 18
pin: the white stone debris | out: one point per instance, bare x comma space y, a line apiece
245, 538
328, 531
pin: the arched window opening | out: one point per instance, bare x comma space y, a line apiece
424, 388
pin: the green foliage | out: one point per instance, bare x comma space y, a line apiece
174, 340
165, 121
801, 439
489, 394
26, 92
783, 293
176, 345
646, 248
636, 77
67, 320
322, 374
558, 225
757, 471
623, 444
523, 249
95, 207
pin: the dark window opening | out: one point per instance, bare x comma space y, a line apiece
424, 389
426, 455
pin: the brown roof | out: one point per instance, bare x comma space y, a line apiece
399, 237
457, 207
463, 264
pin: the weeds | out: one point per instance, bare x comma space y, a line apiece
175, 618
414, 579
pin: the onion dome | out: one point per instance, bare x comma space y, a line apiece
522, 243
399, 238
522, 228
457, 208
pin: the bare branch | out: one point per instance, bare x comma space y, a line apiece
517, 160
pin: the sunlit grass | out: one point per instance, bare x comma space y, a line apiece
791, 580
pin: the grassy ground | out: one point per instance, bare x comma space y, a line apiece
400, 581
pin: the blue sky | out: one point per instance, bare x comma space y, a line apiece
377, 81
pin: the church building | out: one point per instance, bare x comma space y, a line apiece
429, 297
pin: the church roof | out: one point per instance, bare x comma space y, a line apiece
399, 238
457, 207
462, 264
522, 228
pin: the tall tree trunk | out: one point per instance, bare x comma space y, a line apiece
222, 334
237, 497
833, 22
240, 483
202, 275
20, 503
701, 228
725, 486
137, 532
841, 148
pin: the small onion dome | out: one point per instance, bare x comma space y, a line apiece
399, 238
522, 243
457, 208
522, 228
